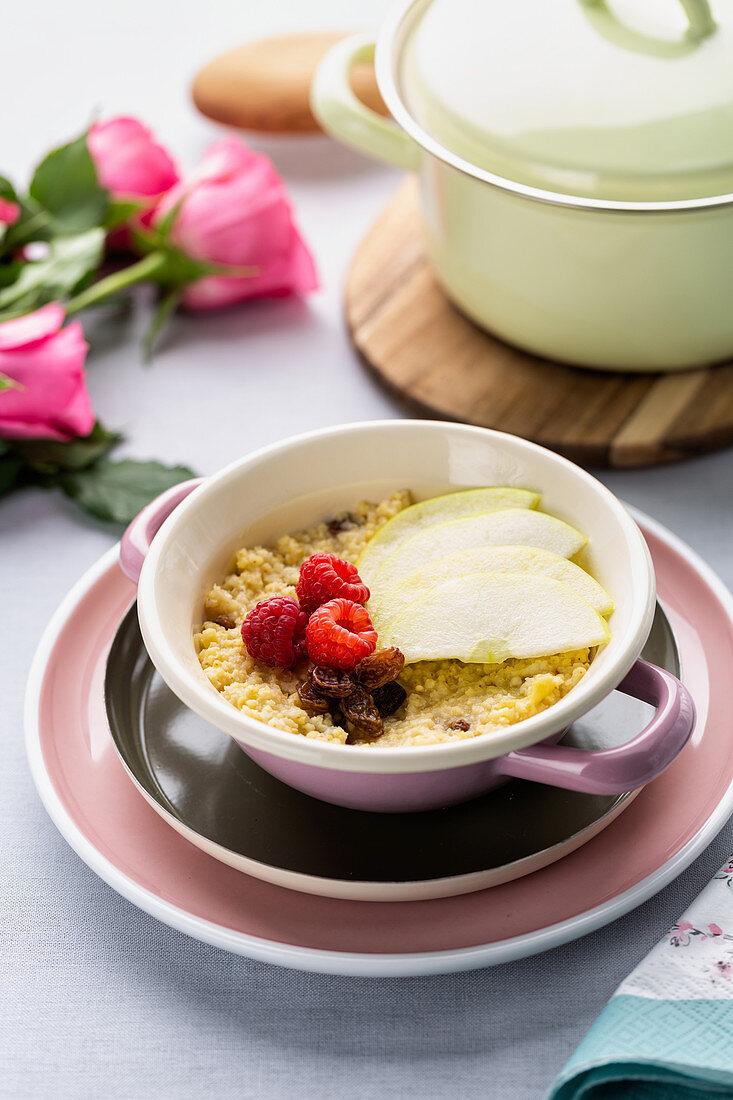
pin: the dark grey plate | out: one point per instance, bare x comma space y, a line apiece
203, 783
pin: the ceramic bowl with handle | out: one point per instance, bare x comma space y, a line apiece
183, 542
575, 163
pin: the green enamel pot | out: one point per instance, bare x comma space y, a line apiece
575, 166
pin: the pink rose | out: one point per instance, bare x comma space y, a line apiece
129, 162
235, 211
9, 212
47, 362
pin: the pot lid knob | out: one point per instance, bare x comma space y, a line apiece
700, 25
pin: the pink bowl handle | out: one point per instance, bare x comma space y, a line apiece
613, 771
143, 529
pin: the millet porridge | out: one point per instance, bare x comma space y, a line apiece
446, 700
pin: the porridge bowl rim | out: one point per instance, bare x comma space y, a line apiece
172, 581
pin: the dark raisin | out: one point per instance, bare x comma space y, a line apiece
311, 700
361, 711
226, 621
380, 667
336, 716
388, 698
341, 523
335, 683
460, 724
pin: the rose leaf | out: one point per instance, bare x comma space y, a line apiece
117, 491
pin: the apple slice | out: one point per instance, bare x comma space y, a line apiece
437, 510
485, 618
487, 559
507, 527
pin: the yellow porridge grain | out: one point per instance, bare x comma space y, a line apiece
446, 700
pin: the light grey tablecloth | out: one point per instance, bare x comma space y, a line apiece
96, 998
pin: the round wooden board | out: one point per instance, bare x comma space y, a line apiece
265, 85
440, 363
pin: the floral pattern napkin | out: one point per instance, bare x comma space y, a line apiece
668, 1030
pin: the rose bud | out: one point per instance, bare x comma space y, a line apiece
46, 362
234, 210
129, 162
9, 212
133, 167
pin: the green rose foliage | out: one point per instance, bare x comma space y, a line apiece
68, 210
110, 491
117, 491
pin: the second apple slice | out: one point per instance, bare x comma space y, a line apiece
486, 618
385, 606
508, 527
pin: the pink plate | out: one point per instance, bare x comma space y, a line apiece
92, 801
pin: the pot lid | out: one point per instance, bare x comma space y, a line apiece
608, 99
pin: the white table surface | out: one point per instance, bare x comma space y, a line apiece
96, 998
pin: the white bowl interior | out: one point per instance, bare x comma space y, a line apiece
299, 482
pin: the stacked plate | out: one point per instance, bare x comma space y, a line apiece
172, 813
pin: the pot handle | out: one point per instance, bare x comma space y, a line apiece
340, 113
700, 24
613, 771
145, 526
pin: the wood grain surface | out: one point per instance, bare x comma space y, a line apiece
265, 85
438, 362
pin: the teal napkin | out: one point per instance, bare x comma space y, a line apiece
668, 1030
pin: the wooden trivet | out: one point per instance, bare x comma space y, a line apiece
439, 362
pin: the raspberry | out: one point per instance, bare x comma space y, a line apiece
324, 577
340, 634
274, 632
